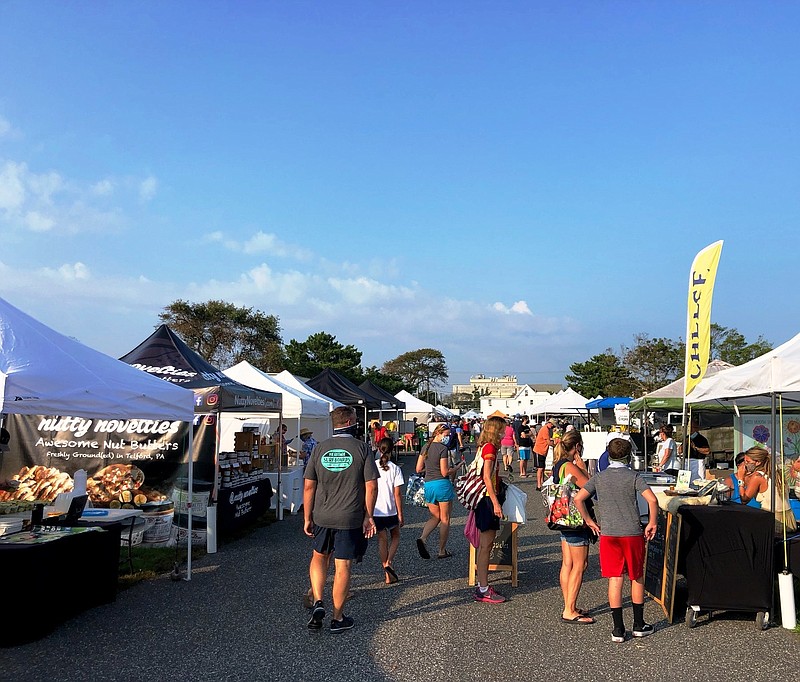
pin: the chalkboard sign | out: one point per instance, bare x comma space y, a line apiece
504, 553
661, 562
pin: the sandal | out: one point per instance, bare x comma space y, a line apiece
446, 555
391, 576
422, 549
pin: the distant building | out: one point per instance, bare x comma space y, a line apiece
527, 397
500, 387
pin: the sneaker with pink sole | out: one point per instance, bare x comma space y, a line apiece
488, 597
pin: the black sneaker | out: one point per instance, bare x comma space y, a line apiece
617, 635
317, 616
643, 630
346, 623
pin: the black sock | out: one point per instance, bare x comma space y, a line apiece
619, 624
638, 615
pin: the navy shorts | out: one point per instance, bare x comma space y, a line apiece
348, 543
386, 522
484, 512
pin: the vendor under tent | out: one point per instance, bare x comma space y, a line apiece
334, 385
391, 408
164, 354
43, 372
770, 382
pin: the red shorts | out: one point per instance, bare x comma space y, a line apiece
620, 553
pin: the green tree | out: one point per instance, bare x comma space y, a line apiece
419, 368
320, 351
654, 362
729, 344
601, 374
387, 382
225, 334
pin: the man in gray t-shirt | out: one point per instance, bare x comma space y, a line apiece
339, 493
622, 542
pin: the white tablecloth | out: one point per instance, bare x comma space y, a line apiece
292, 484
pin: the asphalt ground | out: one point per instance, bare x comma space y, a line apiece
240, 618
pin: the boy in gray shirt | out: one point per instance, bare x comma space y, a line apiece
621, 540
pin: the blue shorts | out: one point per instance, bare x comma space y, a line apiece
524, 454
386, 522
576, 538
440, 490
348, 543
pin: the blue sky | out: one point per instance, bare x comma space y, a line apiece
520, 185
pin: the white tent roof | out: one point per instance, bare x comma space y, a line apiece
413, 404
44, 372
567, 401
750, 384
289, 379
296, 403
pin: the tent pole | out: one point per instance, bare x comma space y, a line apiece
189, 493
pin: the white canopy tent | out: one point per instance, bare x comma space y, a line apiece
289, 379
566, 402
414, 406
752, 384
301, 410
44, 372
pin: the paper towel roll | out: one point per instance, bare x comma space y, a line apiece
786, 588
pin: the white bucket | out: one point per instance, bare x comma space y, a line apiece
199, 535
199, 501
157, 526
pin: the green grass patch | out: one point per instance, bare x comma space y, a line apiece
151, 562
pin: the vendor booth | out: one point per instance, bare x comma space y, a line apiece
564, 403
301, 411
44, 372
237, 488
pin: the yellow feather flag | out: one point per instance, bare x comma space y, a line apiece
698, 319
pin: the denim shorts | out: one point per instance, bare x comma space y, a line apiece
440, 490
386, 522
576, 538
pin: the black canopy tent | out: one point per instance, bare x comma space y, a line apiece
388, 401
165, 355
332, 384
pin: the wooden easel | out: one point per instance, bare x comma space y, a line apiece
504, 553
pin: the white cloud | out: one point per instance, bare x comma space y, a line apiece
519, 308
12, 186
47, 202
261, 242
103, 188
148, 188
38, 222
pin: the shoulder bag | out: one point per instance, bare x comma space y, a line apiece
470, 486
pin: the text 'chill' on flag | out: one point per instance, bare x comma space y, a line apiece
698, 319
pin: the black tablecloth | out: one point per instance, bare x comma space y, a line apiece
726, 556
45, 584
242, 505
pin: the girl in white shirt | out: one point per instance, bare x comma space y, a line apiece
388, 513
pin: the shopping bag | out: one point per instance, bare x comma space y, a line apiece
471, 531
514, 505
562, 514
470, 486
415, 491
